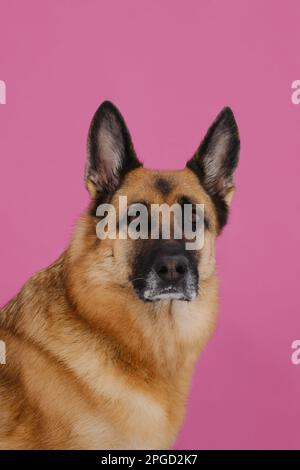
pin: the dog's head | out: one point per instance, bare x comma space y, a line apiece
156, 268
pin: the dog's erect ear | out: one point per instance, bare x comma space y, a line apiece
216, 159
110, 151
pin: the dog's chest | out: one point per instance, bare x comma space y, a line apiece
140, 422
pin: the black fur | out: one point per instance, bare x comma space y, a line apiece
163, 185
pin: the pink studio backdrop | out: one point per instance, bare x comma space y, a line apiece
170, 66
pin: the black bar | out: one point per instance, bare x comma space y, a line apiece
133, 459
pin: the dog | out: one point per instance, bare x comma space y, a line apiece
101, 344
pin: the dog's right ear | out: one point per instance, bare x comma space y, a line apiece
110, 151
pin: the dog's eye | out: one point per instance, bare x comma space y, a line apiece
131, 218
192, 216
195, 218
134, 211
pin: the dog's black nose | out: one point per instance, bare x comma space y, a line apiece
171, 268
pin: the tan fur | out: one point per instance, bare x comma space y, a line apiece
90, 365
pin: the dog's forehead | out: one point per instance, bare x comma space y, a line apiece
162, 185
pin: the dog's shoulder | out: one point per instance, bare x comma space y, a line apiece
35, 297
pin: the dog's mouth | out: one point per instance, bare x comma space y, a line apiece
151, 289
168, 294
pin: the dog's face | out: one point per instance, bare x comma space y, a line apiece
164, 268
157, 268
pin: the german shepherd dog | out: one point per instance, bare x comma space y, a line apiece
101, 345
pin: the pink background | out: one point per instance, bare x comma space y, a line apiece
170, 66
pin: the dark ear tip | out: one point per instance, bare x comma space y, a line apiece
105, 112
107, 108
227, 117
227, 111
107, 105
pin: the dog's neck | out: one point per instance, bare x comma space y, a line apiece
169, 331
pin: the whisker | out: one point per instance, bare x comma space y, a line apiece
138, 279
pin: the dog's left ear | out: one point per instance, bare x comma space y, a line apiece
216, 159
110, 151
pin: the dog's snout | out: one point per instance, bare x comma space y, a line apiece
169, 273
171, 268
